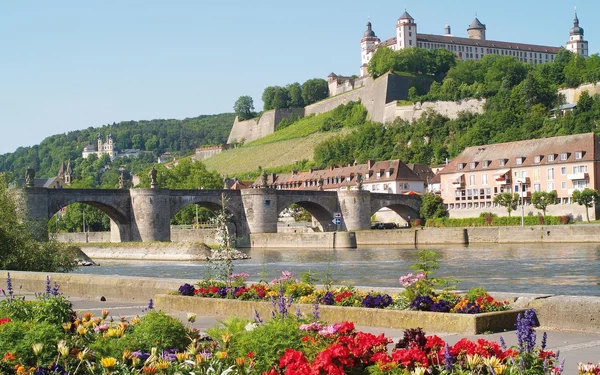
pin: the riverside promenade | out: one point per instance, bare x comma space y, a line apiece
129, 296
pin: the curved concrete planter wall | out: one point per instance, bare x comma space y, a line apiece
469, 324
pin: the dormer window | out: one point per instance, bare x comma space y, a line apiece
387, 173
520, 160
472, 165
378, 174
486, 163
563, 156
501, 162
578, 155
459, 166
348, 179
550, 158
537, 159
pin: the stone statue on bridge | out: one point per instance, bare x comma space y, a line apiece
29, 177
359, 181
122, 180
264, 180
153, 182
320, 183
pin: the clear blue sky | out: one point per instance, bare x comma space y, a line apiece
71, 64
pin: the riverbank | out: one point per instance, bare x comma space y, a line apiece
146, 250
575, 313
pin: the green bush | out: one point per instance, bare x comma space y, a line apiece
18, 337
496, 221
157, 329
45, 308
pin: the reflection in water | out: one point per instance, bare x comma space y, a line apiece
555, 269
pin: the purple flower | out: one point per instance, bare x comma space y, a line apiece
222, 292
544, 340
328, 299
448, 363
257, 318
140, 355
525, 331
502, 343
150, 304
469, 308
316, 309
186, 290
422, 303
379, 301
56, 289
9, 287
48, 285
442, 306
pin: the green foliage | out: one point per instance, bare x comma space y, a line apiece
314, 90
18, 337
268, 341
294, 91
287, 122
432, 207
428, 262
496, 221
417, 60
44, 308
18, 249
542, 199
586, 197
507, 200
244, 108
157, 329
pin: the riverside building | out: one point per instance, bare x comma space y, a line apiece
469, 183
473, 47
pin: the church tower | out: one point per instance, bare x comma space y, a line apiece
110, 150
576, 43
100, 146
368, 41
68, 173
406, 32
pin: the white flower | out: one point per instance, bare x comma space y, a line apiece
251, 326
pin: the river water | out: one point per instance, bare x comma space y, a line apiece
572, 269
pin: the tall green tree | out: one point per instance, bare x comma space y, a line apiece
281, 98
586, 197
383, 61
508, 201
542, 199
432, 207
314, 90
244, 107
294, 91
267, 97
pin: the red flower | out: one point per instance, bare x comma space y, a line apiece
250, 355
463, 347
9, 356
4, 320
434, 343
547, 354
410, 358
272, 372
345, 327
294, 362
381, 358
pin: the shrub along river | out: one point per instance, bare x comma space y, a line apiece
572, 269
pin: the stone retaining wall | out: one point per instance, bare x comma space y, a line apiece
327, 240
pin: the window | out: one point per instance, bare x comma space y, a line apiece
387, 173
523, 174
536, 159
563, 185
579, 184
563, 170
459, 166
486, 163
550, 158
501, 162
536, 174
550, 186
580, 169
563, 156
484, 179
519, 161
578, 155
550, 174
472, 165
536, 187
378, 174
472, 179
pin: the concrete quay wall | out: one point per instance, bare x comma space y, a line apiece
576, 313
327, 240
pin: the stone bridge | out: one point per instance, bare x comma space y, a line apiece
145, 214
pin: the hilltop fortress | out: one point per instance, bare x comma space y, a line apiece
380, 96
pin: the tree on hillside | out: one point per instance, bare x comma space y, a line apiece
267, 97
244, 108
280, 98
314, 90
294, 91
507, 200
542, 199
383, 61
586, 197
432, 207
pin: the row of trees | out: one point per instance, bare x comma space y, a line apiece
434, 63
295, 95
541, 200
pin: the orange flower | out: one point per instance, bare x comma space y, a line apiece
9, 356
149, 370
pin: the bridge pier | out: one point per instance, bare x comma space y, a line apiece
35, 204
356, 209
260, 207
151, 215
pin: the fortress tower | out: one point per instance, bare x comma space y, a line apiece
476, 30
406, 32
369, 41
576, 43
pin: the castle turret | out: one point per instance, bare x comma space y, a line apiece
447, 31
368, 41
576, 43
476, 30
406, 32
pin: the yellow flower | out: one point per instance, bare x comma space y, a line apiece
67, 326
473, 361
21, 370
226, 337
81, 330
499, 370
193, 348
63, 350
240, 361
87, 316
221, 355
419, 371
198, 359
114, 332
126, 354
135, 320
181, 356
82, 355
191, 317
104, 313
37, 348
491, 361
162, 364
108, 362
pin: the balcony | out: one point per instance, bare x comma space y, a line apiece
503, 181
524, 194
458, 184
521, 180
578, 176
570, 191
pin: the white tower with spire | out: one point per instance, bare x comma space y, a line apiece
406, 32
576, 43
368, 41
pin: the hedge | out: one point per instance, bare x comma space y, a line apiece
497, 221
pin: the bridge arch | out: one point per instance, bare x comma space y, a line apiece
321, 206
114, 203
406, 206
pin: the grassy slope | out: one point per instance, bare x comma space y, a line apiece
284, 147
